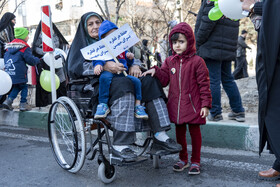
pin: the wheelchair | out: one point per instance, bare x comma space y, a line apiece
75, 135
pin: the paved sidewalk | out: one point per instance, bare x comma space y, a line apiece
223, 134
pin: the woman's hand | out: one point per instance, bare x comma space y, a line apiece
150, 71
97, 69
135, 71
204, 112
246, 4
113, 67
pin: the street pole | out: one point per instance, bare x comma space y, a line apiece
179, 9
48, 46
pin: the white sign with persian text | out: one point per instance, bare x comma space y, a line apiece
118, 41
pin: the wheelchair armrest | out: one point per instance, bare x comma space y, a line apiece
79, 81
83, 80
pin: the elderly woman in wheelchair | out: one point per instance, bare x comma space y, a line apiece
82, 102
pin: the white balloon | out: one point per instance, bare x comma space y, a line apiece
57, 62
2, 65
5, 82
231, 8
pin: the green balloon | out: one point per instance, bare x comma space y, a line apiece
216, 4
215, 14
45, 81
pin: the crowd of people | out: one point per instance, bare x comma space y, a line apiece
193, 64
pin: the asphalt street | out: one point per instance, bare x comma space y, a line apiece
27, 160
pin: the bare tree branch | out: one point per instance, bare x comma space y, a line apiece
118, 7
107, 10
2, 5
189, 12
103, 13
23, 1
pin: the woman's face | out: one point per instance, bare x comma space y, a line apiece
14, 21
93, 24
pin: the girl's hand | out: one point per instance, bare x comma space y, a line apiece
150, 71
129, 55
204, 112
135, 71
98, 69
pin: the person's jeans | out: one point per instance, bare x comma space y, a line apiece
220, 72
105, 82
16, 89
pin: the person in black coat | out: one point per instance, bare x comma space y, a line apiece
268, 80
241, 70
146, 53
7, 35
43, 98
216, 43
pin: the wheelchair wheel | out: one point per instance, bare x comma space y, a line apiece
106, 174
66, 134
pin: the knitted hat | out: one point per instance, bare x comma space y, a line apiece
21, 33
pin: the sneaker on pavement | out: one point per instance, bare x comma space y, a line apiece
102, 111
194, 169
140, 112
240, 116
218, 117
7, 104
24, 107
180, 165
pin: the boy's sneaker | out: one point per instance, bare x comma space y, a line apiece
218, 117
180, 166
24, 107
194, 169
240, 116
7, 104
140, 112
102, 111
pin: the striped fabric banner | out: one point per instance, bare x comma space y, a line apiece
46, 29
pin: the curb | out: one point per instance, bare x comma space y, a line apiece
231, 135
29, 119
227, 135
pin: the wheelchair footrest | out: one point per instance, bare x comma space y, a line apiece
121, 162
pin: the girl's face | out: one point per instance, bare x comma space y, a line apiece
180, 45
93, 24
14, 21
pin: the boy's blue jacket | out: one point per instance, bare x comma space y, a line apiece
105, 27
18, 54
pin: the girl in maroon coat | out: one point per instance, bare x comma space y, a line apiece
189, 97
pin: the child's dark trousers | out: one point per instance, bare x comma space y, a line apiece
23, 87
195, 138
